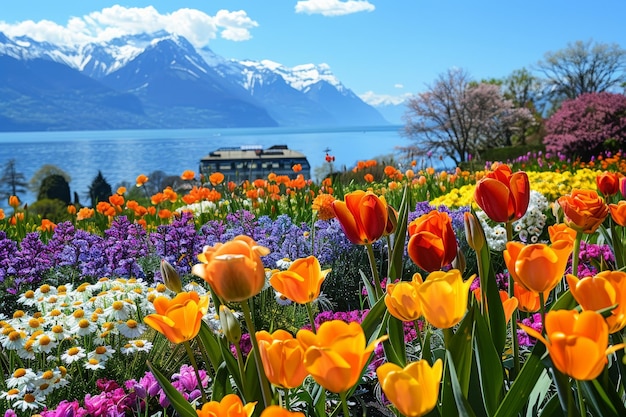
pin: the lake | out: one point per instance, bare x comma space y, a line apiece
121, 155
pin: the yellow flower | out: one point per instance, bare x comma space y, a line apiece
337, 354
414, 389
444, 298
179, 318
302, 282
402, 301
282, 357
234, 269
230, 406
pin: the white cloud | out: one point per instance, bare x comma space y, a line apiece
378, 100
398, 86
333, 7
111, 22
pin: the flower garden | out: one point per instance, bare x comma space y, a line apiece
494, 292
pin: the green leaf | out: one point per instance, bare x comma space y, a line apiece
372, 323
497, 321
463, 407
221, 383
180, 404
252, 383
397, 255
489, 366
460, 348
211, 344
604, 402
395, 330
371, 293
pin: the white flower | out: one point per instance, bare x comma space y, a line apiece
45, 343
28, 402
101, 353
84, 327
73, 354
27, 298
11, 394
135, 346
94, 364
21, 378
131, 329
119, 310
14, 340
281, 299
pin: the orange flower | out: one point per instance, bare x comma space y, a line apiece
121, 190
14, 201
577, 342
503, 195
165, 214
282, 357
443, 296
528, 301
561, 231
188, 175
234, 269
116, 200
584, 210
229, 406
537, 267
71, 209
402, 301
336, 355
302, 282
47, 225
178, 318
608, 183
508, 304
297, 168
432, 243
105, 208
618, 212
216, 178
363, 216
278, 411
604, 290
2, 215
323, 205
368, 178
84, 213
141, 180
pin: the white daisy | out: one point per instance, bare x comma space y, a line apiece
135, 346
281, 299
27, 351
14, 340
119, 310
94, 364
84, 327
131, 329
45, 343
11, 394
27, 298
21, 378
73, 354
101, 353
28, 402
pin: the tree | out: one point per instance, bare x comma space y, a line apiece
587, 126
12, 182
526, 91
583, 67
460, 117
99, 190
54, 187
43, 172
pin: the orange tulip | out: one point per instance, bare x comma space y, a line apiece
14, 201
141, 180
577, 342
537, 267
503, 195
508, 304
618, 212
178, 318
608, 183
188, 175
414, 389
282, 357
230, 406
337, 354
234, 269
216, 178
432, 243
561, 231
402, 301
528, 301
278, 411
85, 213
2, 214
443, 296
302, 282
584, 210
604, 290
363, 216
47, 225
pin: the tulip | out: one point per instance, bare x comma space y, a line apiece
414, 389
432, 243
14, 201
336, 355
474, 232
618, 212
537, 267
402, 301
179, 318
141, 180
234, 269
282, 357
528, 301
503, 195
509, 304
362, 216
302, 282
229, 406
170, 276
443, 296
604, 290
577, 342
561, 231
278, 411
230, 325
584, 210
608, 183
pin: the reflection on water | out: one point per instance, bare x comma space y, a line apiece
122, 155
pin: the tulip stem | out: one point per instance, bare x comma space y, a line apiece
265, 390
192, 359
309, 310
377, 287
542, 305
576, 252
344, 404
242, 369
516, 361
581, 400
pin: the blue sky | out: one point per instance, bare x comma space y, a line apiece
377, 48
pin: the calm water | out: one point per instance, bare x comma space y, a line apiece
122, 155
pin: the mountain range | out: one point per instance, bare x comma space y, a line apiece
158, 81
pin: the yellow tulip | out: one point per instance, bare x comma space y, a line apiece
537, 267
443, 296
577, 342
302, 282
282, 357
402, 301
337, 354
234, 269
229, 406
604, 290
278, 411
414, 389
178, 318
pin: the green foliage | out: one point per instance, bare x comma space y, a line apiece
54, 209
12, 182
55, 187
99, 190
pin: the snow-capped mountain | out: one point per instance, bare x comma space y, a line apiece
164, 82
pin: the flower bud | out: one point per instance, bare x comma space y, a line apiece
170, 277
459, 262
230, 325
474, 232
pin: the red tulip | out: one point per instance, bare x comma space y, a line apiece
503, 195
